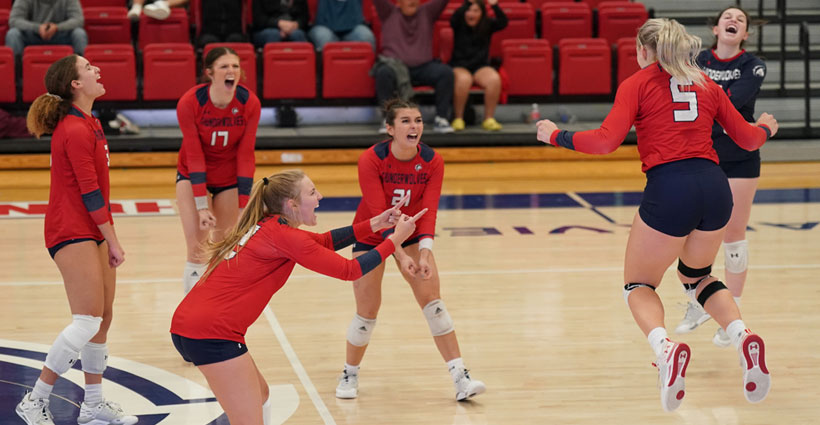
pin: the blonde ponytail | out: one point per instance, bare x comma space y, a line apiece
268, 197
675, 49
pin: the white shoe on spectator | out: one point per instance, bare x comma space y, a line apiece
124, 125
158, 10
441, 125
135, 12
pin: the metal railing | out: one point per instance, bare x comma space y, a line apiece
805, 51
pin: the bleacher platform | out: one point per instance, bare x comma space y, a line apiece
546, 50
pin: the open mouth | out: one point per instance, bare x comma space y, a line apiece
230, 82
413, 137
731, 29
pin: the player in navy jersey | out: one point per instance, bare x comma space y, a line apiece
80, 237
402, 171
251, 264
218, 122
687, 201
740, 74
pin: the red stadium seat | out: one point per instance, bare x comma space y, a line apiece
536, 4
617, 19
528, 63
289, 59
521, 17
4, 25
593, 4
247, 60
445, 50
103, 3
585, 66
346, 68
175, 29
627, 58
36, 60
8, 92
107, 25
5, 4
313, 7
438, 27
169, 70
118, 69
565, 20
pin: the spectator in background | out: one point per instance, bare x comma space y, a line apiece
160, 9
12, 127
407, 44
340, 20
39, 22
221, 22
472, 30
279, 20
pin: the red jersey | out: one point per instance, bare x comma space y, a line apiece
233, 296
218, 144
78, 199
384, 180
673, 120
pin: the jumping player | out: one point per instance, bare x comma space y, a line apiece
253, 262
80, 237
402, 171
740, 74
687, 200
218, 121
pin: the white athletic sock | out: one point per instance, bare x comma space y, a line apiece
657, 340
736, 330
455, 365
191, 275
41, 389
93, 394
351, 370
266, 411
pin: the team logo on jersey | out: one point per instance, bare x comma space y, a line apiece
235, 110
418, 167
759, 71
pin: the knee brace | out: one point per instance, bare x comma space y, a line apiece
438, 318
66, 348
94, 358
710, 290
737, 256
359, 331
693, 273
629, 287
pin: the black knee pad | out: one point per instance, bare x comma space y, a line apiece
630, 286
710, 290
693, 286
693, 273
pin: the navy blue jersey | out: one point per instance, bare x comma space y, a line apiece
740, 77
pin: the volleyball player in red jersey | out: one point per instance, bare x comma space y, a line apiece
253, 262
687, 201
218, 122
402, 171
80, 237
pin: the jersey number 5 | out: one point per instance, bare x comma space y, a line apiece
222, 134
398, 194
690, 97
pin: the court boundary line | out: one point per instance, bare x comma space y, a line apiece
298, 368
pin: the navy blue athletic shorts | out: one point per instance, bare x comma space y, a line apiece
206, 351
53, 250
748, 168
685, 195
212, 189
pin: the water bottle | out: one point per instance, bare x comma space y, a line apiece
535, 114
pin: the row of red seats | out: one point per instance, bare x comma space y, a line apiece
289, 69
616, 19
